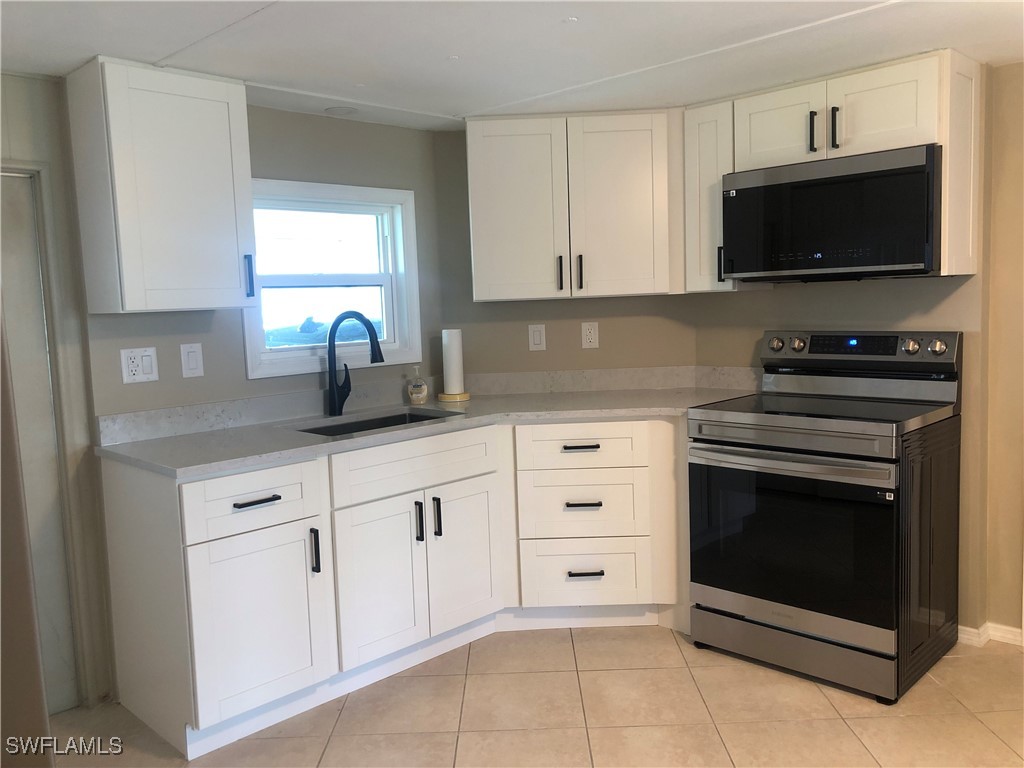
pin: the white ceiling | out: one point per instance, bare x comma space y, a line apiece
430, 64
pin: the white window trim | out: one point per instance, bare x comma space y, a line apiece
405, 347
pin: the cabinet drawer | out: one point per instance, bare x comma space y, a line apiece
622, 568
226, 506
568, 503
582, 446
388, 470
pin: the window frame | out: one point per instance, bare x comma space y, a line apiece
400, 284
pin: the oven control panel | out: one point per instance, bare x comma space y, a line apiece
911, 347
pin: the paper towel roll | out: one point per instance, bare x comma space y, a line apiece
451, 346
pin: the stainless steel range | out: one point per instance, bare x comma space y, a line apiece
824, 511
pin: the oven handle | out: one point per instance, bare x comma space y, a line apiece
877, 475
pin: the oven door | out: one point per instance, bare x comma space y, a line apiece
802, 542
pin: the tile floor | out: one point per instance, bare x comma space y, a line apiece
640, 696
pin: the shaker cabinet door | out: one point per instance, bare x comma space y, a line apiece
776, 128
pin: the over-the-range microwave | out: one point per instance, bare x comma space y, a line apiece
846, 218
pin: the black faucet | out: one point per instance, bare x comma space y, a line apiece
338, 394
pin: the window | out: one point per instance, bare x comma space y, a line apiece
322, 249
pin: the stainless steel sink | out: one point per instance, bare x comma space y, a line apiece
400, 417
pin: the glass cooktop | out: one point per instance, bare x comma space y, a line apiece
846, 409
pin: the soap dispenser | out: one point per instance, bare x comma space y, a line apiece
417, 388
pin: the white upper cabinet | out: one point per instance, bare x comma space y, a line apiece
885, 108
573, 206
707, 147
164, 191
781, 127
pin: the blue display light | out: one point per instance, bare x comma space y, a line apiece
852, 342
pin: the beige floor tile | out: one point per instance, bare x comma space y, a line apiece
933, 741
810, 743
749, 693
386, 750
705, 657
521, 701
983, 683
537, 650
318, 721
626, 648
404, 705
641, 697
451, 663
991, 648
265, 753
1008, 726
658, 745
550, 747
926, 697
141, 746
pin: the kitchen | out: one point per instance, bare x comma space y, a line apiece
712, 332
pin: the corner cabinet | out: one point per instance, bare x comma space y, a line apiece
164, 188
569, 206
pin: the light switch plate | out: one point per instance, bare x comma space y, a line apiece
191, 360
138, 365
538, 340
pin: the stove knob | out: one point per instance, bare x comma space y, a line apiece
775, 344
937, 347
797, 344
911, 346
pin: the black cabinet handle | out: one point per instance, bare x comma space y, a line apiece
720, 278
256, 502
590, 447
584, 574
419, 521
250, 289
835, 129
579, 272
810, 141
315, 533
561, 279
584, 504
437, 515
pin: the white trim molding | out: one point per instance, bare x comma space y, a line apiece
989, 631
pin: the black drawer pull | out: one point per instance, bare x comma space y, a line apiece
810, 141
584, 574
835, 127
437, 515
584, 504
250, 278
256, 502
419, 521
590, 447
579, 277
561, 280
315, 533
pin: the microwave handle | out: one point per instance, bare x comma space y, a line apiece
796, 465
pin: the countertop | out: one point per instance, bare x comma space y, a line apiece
226, 451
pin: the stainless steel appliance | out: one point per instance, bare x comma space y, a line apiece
824, 510
872, 215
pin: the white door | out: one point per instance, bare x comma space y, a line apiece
180, 160
518, 207
463, 563
382, 577
776, 128
618, 204
707, 148
263, 621
28, 347
885, 108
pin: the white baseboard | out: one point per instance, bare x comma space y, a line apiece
989, 631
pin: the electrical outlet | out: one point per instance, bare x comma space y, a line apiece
139, 365
538, 341
590, 336
191, 360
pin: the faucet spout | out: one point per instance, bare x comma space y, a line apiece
337, 394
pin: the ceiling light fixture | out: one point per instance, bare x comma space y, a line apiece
340, 111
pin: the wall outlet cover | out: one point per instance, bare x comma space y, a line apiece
138, 365
590, 340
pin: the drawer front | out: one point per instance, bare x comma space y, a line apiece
582, 446
388, 470
572, 503
547, 565
226, 506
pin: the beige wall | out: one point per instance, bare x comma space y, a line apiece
295, 147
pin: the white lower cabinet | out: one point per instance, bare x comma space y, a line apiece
418, 564
592, 571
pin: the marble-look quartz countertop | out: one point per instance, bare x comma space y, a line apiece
227, 451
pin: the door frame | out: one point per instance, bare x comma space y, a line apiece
78, 468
